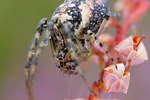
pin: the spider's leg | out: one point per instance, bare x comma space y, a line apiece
102, 26
95, 39
38, 52
107, 52
67, 34
32, 48
34, 43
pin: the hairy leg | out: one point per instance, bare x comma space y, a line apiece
30, 66
31, 51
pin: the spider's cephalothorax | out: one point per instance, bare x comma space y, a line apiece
71, 30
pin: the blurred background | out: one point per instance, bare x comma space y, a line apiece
18, 20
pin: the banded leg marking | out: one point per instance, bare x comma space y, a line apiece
31, 51
29, 65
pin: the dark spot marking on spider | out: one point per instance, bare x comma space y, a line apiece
88, 40
30, 49
67, 67
40, 31
107, 52
91, 33
57, 56
58, 66
64, 55
61, 64
65, 51
65, 63
60, 58
76, 50
95, 38
107, 17
82, 41
74, 40
101, 44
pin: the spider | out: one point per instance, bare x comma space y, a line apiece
72, 29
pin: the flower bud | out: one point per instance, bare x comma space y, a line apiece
115, 80
132, 49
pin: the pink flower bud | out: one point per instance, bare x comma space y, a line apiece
116, 80
132, 49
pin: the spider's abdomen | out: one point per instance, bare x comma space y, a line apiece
82, 15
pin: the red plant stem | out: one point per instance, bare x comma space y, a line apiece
120, 34
102, 65
127, 69
136, 46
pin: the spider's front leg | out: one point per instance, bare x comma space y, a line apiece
42, 24
67, 34
34, 52
95, 39
31, 51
